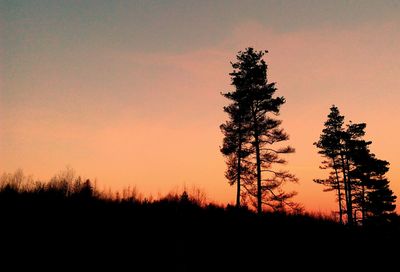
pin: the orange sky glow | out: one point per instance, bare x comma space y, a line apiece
151, 119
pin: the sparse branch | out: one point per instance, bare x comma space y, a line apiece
282, 198
283, 150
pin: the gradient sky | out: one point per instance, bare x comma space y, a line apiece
128, 92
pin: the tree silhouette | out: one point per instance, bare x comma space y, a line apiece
330, 147
234, 143
358, 165
355, 170
255, 132
341, 146
373, 197
379, 204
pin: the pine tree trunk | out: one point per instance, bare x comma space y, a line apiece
363, 203
347, 192
258, 162
350, 201
239, 168
338, 192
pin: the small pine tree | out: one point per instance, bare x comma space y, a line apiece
355, 170
330, 145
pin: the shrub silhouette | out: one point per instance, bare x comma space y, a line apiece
172, 233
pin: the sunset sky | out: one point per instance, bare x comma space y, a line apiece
128, 92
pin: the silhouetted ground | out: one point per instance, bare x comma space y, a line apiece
51, 229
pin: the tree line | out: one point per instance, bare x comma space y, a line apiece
253, 147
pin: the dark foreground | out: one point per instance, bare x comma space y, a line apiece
176, 234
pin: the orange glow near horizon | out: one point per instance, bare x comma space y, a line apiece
151, 120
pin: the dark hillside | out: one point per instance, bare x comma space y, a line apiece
173, 233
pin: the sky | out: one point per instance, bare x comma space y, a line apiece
128, 92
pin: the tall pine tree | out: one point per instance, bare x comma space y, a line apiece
253, 100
